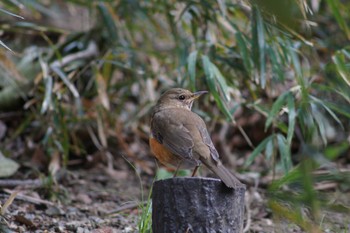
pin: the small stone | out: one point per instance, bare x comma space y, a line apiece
84, 198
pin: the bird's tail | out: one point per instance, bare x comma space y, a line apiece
225, 175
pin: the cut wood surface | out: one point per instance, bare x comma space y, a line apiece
197, 205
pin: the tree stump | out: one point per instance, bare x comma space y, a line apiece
193, 204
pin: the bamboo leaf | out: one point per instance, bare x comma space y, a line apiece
336, 6
32, 4
10, 13
257, 151
334, 151
108, 21
295, 60
213, 74
340, 108
258, 45
206, 66
317, 115
291, 118
191, 67
292, 176
4, 45
222, 106
210, 73
333, 115
276, 107
221, 81
70, 86
339, 62
48, 80
242, 45
276, 65
284, 150
102, 89
269, 150
223, 8
48, 94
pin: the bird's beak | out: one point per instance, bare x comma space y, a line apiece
198, 94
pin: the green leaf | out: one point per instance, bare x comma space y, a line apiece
71, 87
291, 118
276, 65
276, 107
258, 45
293, 53
164, 174
221, 104
269, 150
4, 45
221, 81
210, 71
295, 60
336, 6
243, 49
318, 116
333, 115
206, 66
340, 108
284, 150
214, 75
108, 20
291, 176
191, 67
339, 61
334, 151
257, 151
223, 8
32, 4
10, 13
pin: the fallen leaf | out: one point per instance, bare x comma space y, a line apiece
8, 202
23, 220
55, 165
8, 167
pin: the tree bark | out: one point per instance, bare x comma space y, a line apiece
197, 205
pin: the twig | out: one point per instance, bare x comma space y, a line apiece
9, 201
33, 200
127, 206
249, 217
14, 183
89, 52
244, 134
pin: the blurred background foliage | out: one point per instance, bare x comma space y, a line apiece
79, 78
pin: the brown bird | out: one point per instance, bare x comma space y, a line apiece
180, 137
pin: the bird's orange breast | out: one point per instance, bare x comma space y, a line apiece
163, 154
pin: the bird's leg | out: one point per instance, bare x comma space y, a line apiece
195, 170
177, 168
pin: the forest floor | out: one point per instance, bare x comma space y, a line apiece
84, 200
103, 200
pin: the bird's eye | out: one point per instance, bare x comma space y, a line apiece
182, 97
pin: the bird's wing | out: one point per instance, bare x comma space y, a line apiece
207, 141
169, 130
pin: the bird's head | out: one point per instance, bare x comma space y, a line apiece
178, 97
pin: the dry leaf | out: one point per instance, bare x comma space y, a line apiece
8, 167
8, 202
55, 163
102, 91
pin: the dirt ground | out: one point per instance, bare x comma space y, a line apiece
84, 200
103, 200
